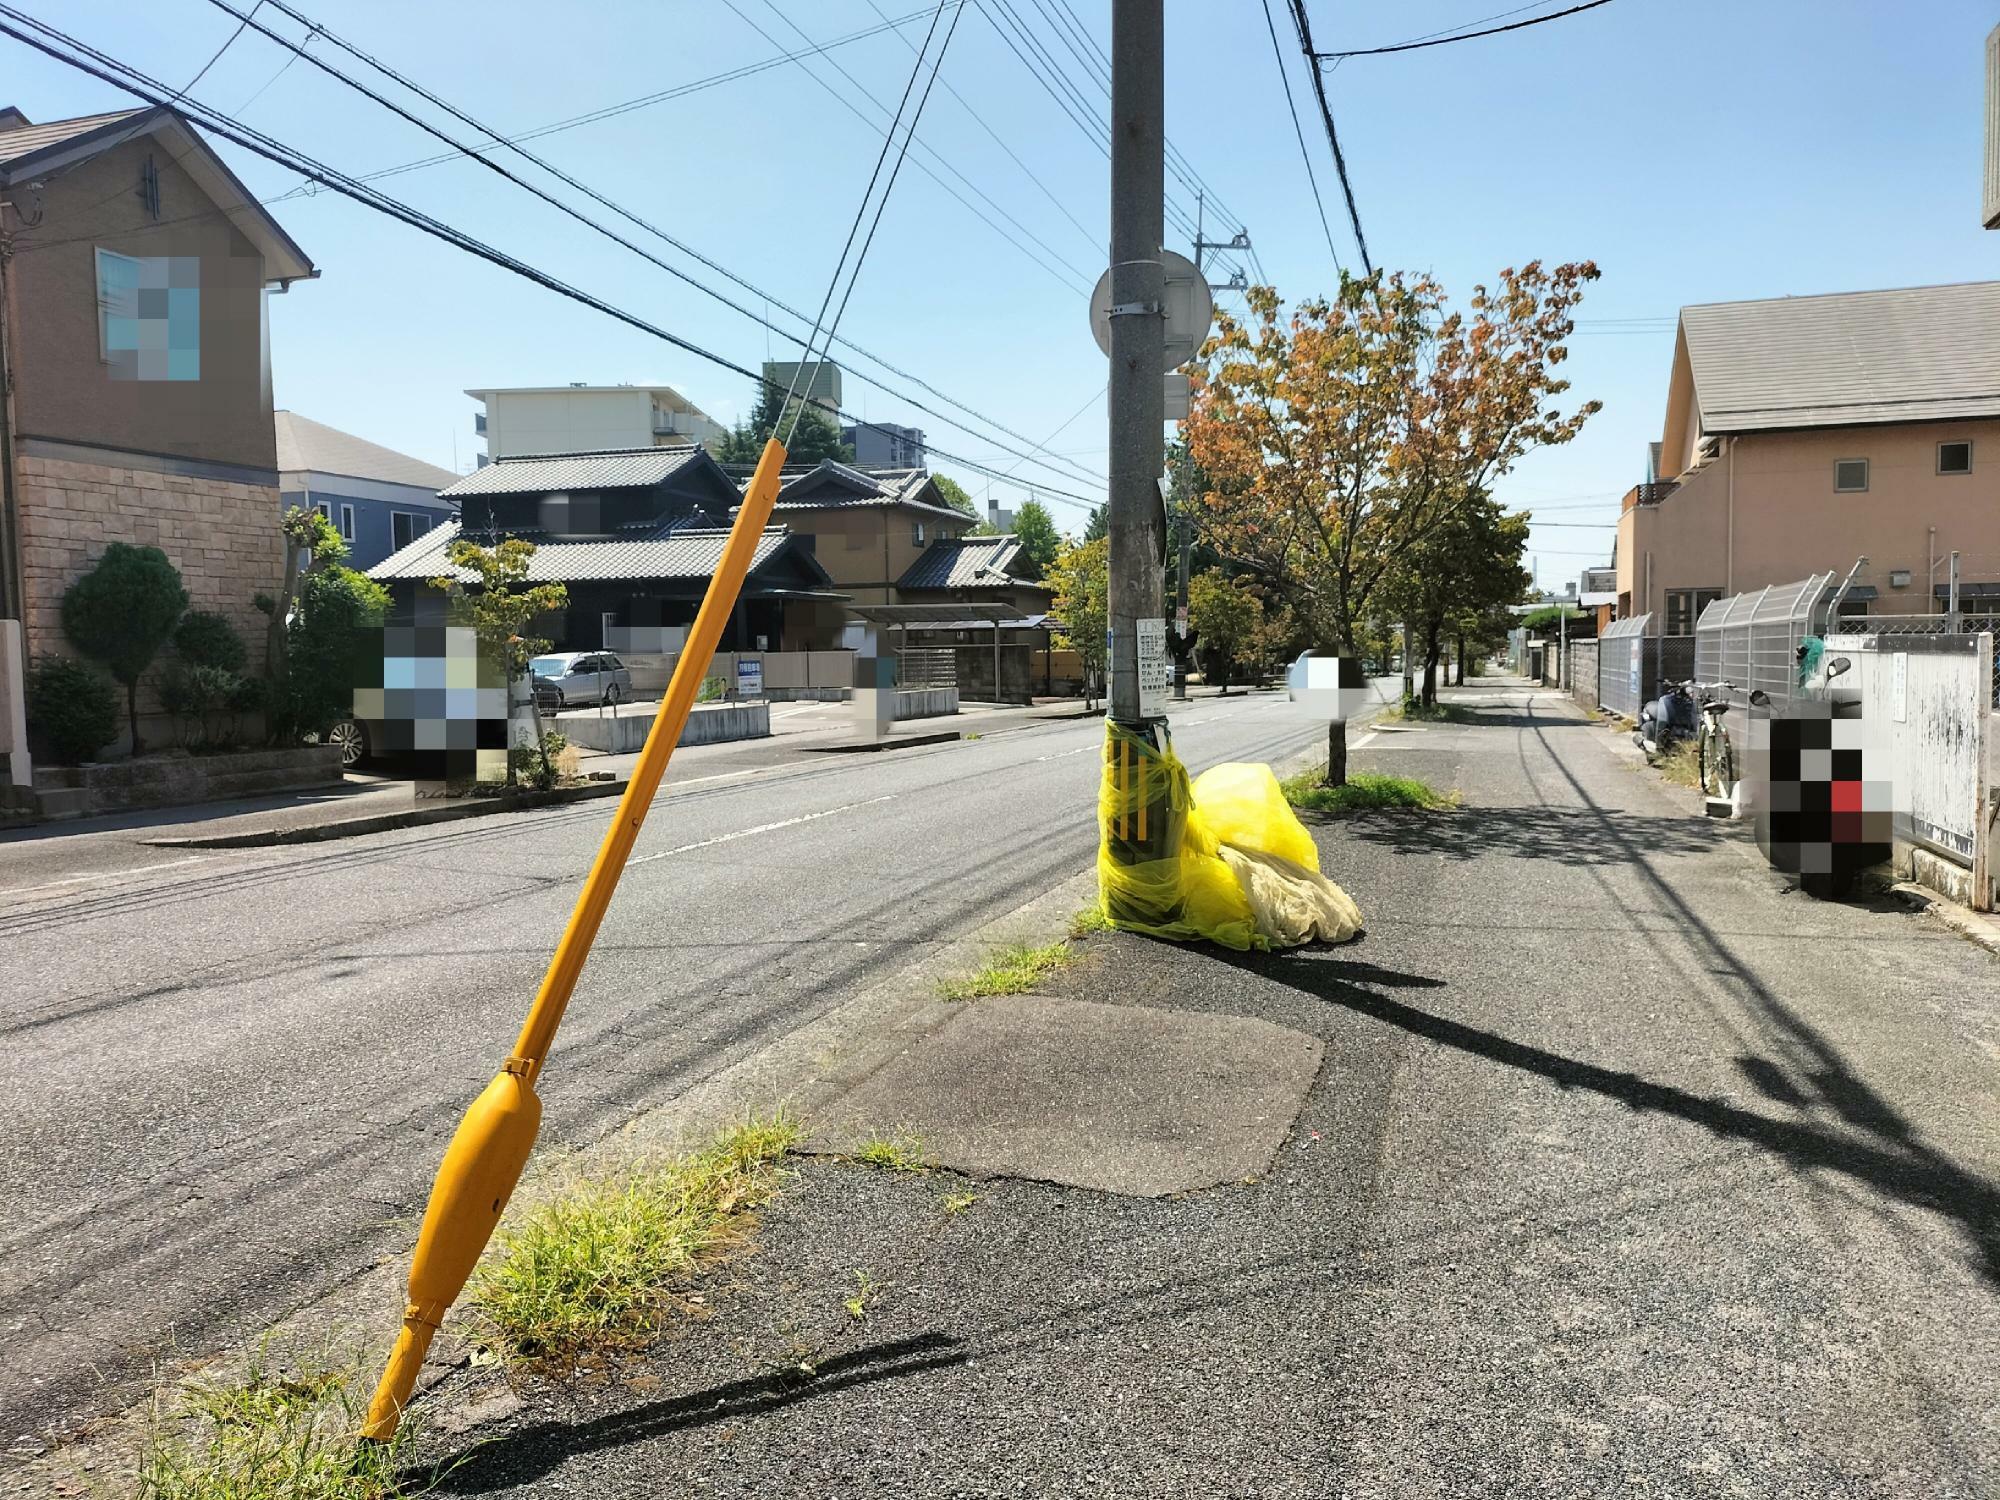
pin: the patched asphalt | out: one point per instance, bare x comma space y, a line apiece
1628, 1171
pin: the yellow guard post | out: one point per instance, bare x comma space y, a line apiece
486, 1155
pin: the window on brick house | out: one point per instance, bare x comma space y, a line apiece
149, 316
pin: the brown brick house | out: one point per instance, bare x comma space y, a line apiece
134, 270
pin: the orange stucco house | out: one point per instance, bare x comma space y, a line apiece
1803, 433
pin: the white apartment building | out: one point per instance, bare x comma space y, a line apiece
582, 418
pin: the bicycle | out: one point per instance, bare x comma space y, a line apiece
1715, 756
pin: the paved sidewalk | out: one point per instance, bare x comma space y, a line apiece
1627, 1171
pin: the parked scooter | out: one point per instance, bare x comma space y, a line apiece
1671, 716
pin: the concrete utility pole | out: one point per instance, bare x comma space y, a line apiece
1138, 339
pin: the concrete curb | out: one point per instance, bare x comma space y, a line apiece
1962, 920
420, 817
907, 742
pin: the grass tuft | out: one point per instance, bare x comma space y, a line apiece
1365, 790
957, 1203
1087, 921
902, 1152
595, 1266
1410, 711
1013, 971
266, 1434
1680, 763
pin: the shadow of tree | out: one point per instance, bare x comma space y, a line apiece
1570, 836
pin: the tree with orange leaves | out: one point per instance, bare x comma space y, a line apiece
1332, 442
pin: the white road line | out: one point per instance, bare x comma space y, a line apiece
744, 833
49, 885
1363, 740
1064, 754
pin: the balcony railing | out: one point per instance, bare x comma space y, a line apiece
1653, 491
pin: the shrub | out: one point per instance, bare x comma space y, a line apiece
209, 702
205, 639
73, 708
122, 611
333, 640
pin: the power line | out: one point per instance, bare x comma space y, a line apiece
646, 101
1300, 130
860, 88
103, 66
1435, 40
1074, 470
1304, 25
1001, 142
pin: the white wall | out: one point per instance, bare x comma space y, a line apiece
580, 421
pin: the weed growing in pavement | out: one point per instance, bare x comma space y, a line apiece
958, 1203
1412, 711
902, 1152
1365, 790
270, 1434
1680, 763
1088, 920
865, 1288
1013, 971
595, 1265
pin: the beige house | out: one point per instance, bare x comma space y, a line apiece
1803, 433
134, 269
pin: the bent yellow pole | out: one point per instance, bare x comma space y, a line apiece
491, 1146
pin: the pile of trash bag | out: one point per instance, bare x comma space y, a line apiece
1222, 858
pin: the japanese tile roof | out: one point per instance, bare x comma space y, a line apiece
687, 553
547, 473
1911, 354
313, 447
967, 562
832, 485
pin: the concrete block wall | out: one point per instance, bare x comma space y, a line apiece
223, 536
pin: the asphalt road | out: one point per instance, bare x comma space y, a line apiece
1629, 1171
228, 1074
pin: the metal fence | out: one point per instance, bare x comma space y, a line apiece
1968, 625
1751, 641
927, 667
1626, 671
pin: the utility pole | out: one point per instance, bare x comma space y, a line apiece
1951, 607
1143, 833
1138, 339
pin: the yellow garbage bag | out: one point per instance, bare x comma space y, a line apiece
1222, 858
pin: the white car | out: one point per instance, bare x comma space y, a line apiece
565, 679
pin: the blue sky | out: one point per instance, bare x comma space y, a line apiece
1698, 150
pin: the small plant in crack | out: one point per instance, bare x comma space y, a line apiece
866, 1288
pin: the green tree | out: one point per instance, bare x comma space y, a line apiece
121, 612
1098, 526
502, 609
1229, 622
1331, 439
1080, 580
1456, 577
334, 632
1040, 541
310, 539
817, 435
954, 495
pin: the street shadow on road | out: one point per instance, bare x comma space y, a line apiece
528, 1453
1896, 1165
1573, 836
